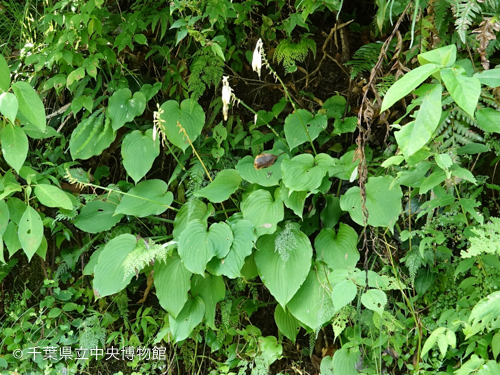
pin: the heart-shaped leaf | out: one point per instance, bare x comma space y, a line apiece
212, 290
139, 151
220, 189
305, 172
269, 176
301, 127
190, 316
147, 198
263, 211
123, 107
338, 250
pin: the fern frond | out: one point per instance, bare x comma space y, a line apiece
206, 70
288, 52
143, 255
465, 12
485, 240
366, 57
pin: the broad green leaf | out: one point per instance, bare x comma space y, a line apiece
9, 106
30, 231
434, 179
283, 260
123, 107
16, 209
495, 345
147, 198
52, 196
172, 284
374, 300
296, 124
382, 201
11, 238
191, 210
4, 75
31, 109
190, 316
312, 304
4, 216
407, 84
415, 135
139, 151
344, 167
222, 187
91, 137
338, 250
241, 248
14, 146
344, 361
75, 76
488, 120
464, 90
429, 343
109, 272
348, 125
334, 106
445, 56
305, 172
262, 211
269, 176
97, 216
294, 200
473, 148
343, 293
189, 115
197, 245
270, 350
212, 290
286, 322
489, 78
331, 213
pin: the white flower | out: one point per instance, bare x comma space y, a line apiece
257, 57
226, 96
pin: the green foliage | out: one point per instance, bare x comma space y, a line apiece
206, 70
288, 52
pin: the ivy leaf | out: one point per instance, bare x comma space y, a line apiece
14, 146
31, 109
146, 198
464, 90
172, 284
283, 261
222, 187
189, 115
123, 107
139, 151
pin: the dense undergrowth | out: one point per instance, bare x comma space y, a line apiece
217, 187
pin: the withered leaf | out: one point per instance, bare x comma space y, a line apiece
264, 161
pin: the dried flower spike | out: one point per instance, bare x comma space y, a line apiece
226, 96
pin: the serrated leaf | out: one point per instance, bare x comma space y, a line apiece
146, 198
172, 283
222, 187
30, 231
139, 151
14, 146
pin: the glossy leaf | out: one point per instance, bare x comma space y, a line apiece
97, 216
14, 146
197, 245
283, 261
91, 137
109, 272
407, 84
415, 135
212, 290
263, 211
123, 107
383, 202
296, 124
139, 151
9, 106
52, 196
147, 198
464, 90
30, 231
189, 115
338, 250
172, 283
222, 187
31, 109
190, 316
